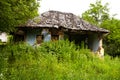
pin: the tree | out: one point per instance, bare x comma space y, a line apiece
16, 12
112, 41
97, 13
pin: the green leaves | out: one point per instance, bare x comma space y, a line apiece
16, 12
97, 13
113, 39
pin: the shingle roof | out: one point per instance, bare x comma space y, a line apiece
61, 19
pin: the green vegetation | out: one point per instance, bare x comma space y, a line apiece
98, 14
60, 60
112, 41
16, 12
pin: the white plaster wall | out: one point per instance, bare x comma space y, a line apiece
3, 37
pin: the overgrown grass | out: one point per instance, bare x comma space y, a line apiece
60, 60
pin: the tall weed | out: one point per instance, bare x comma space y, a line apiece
60, 60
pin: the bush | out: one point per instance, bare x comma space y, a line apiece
60, 60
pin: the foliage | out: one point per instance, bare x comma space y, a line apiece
97, 13
113, 39
60, 60
16, 12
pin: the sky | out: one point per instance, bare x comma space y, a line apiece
77, 7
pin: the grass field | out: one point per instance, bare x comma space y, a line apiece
60, 60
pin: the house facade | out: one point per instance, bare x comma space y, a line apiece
55, 25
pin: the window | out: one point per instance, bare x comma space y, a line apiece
39, 39
55, 37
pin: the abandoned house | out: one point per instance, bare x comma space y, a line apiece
55, 25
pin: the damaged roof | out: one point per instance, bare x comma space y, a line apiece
58, 19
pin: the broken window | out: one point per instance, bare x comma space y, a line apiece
39, 39
18, 38
55, 37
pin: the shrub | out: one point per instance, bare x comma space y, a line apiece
60, 60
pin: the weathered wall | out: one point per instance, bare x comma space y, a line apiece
31, 35
31, 38
94, 42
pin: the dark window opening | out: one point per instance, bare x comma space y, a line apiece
18, 38
79, 39
55, 37
39, 39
